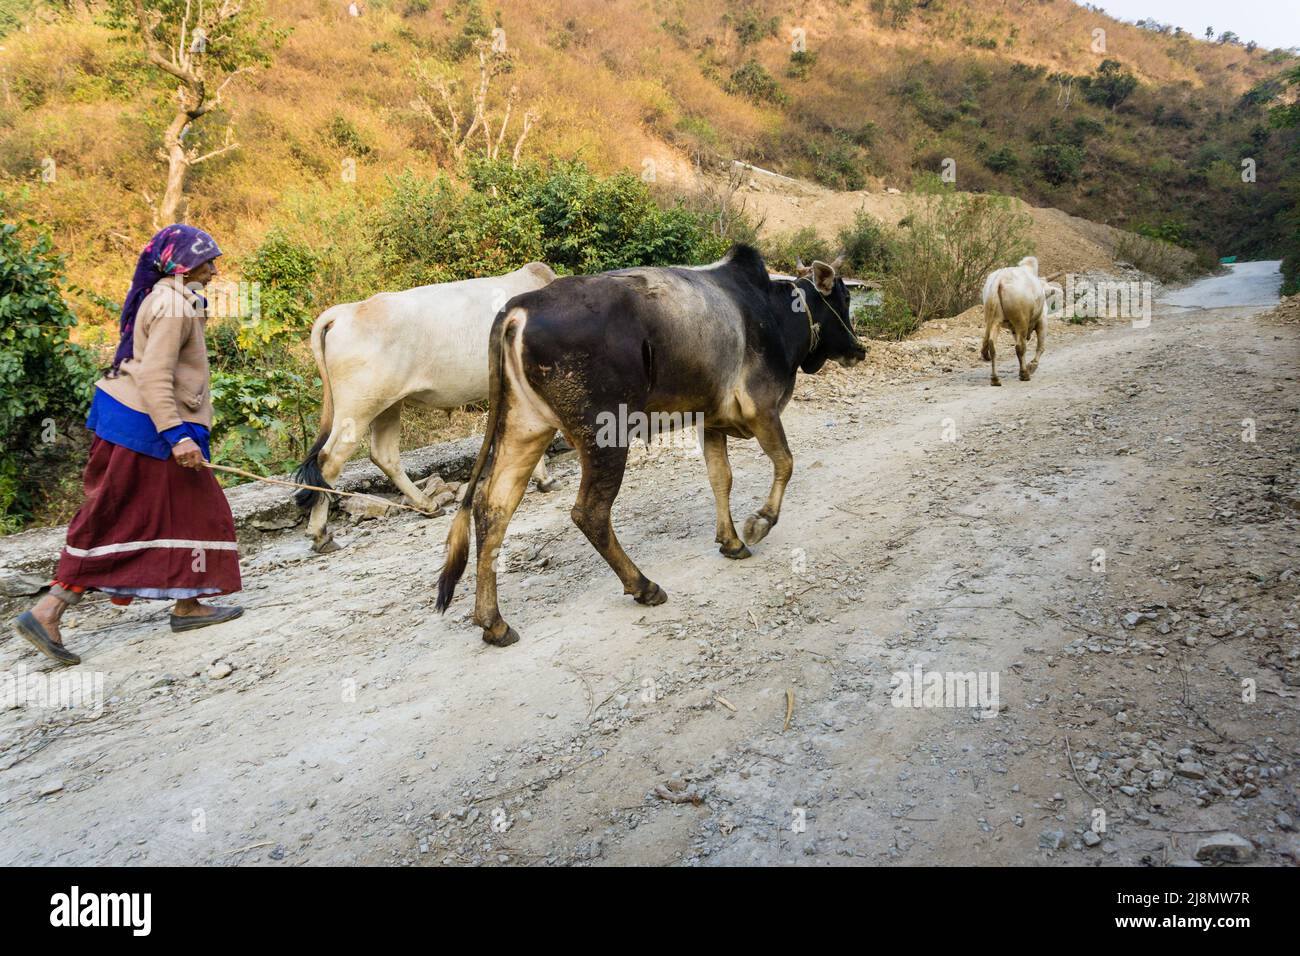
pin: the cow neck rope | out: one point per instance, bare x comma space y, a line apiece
814, 331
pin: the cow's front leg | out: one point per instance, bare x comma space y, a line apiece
771, 437
715, 457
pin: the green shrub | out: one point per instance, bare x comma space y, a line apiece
752, 81
285, 272
1003, 160
343, 134
431, 230
783, 250
45, 379
891, 318
752, 26
866, 245
948, 243
1110, 85
1058, 163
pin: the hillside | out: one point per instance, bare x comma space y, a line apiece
880, 92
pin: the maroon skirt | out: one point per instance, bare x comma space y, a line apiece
148, 523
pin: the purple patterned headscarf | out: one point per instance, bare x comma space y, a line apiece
175, 250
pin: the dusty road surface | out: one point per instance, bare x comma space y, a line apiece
1115, 541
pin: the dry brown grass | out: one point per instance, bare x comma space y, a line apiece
616, 81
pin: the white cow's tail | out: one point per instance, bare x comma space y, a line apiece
458, 535
309, 472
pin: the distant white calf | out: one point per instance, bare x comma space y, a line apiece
1015, 298
428, 345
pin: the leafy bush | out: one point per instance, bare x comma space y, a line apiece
589, 223
890, 318
752, 81
1110, 85
948, 243
1003, 160
45, 379
866, 245
752, 26
285, 272
431, 230
1058, 163
782, 250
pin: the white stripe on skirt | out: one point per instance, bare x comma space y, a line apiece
156, 543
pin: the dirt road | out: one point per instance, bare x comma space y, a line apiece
1115, 542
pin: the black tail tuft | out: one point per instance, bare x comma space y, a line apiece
309, 473
457, 553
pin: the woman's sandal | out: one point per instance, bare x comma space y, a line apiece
29, 629
188, 622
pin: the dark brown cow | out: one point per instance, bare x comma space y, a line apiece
721, 342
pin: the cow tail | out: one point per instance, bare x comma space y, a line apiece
309, 472
458, 535
992, 319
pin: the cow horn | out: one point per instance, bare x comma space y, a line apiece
839, 261
800, 269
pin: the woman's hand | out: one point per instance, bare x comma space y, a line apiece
187, 454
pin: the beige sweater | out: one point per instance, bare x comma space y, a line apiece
168, 377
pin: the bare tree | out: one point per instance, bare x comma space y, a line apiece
203, 45
461, 127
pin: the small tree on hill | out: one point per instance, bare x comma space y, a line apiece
464, 127
203, 45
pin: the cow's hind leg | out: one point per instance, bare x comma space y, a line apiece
715, 457
517, 451
541, 479
1022, 339
602, 476
771, 436
385, 452
1040, 332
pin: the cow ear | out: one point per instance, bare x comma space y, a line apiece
823, 277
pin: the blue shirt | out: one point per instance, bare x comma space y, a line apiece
122, 425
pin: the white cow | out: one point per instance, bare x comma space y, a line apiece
428, 345
1015, 298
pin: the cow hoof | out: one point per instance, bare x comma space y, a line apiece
437, 512
547, 485
328, 546
1024, 376
756, 528
652, 596
996, 381
738, 553
511, 636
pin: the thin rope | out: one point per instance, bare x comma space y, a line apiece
295, 484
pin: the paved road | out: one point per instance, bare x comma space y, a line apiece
1245, 284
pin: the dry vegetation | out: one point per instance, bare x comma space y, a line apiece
614, 83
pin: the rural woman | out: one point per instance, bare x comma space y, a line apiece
154, 523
